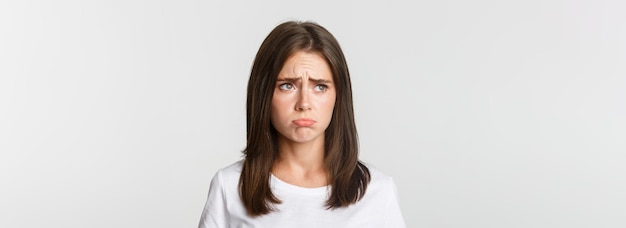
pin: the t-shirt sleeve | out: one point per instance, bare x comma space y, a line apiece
215, 214
394, 217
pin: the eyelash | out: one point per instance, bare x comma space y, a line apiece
318, 87
323, 87
282, 86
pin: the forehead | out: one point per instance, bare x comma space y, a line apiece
309, 64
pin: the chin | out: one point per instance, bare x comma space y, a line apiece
300, 140
304, 139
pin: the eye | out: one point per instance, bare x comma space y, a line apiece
286, 86
321, 87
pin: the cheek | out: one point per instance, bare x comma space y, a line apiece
329, 104
279, 107
278, 102
275, 112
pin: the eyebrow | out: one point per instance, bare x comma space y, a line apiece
299, 78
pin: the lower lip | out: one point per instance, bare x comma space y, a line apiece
303, 122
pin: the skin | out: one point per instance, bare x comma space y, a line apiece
302, 108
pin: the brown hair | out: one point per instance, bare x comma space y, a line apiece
347, 176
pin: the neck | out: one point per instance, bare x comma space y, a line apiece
308, 155
301, 164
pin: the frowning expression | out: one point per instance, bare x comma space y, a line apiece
304, 98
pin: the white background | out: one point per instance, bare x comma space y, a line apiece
486, 113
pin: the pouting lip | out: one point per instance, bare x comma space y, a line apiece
304, 122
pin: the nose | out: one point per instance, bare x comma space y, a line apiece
303, 101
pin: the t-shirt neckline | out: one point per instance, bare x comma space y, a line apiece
281, 185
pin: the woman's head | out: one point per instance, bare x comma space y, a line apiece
288, 41
304, 99
284, 42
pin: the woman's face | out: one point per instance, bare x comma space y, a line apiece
304, 98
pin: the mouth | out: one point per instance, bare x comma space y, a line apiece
304, 122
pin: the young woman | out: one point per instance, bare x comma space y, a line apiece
301, 166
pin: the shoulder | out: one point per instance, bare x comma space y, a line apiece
381, 184
383, 193
229, 175
377, 175
232, 169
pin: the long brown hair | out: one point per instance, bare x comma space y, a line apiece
348, 177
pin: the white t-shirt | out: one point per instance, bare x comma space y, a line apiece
301, 207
